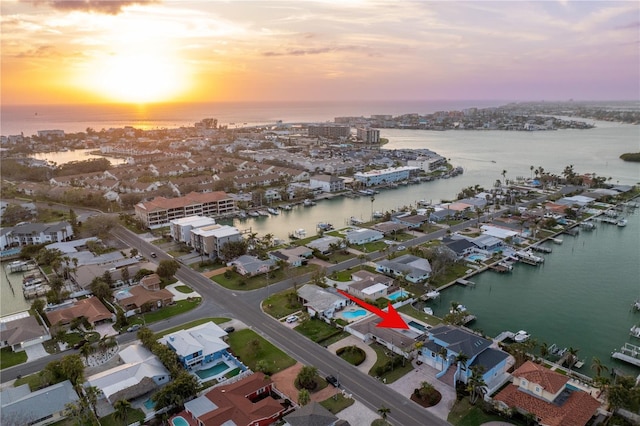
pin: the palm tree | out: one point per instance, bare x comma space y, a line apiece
91, 394
573, 356
476, 384
531, 168
462, 359
598, 366
504, 176
425, 389
121, 406
384, 412
443, 352
544, 350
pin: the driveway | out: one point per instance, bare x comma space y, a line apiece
358, 414
178, 295
354, 341
35, 351
423, 373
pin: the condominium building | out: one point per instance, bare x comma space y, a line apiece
181, 228
208, 240
368, 135
161, 211
328, 183
384, 176
329, 131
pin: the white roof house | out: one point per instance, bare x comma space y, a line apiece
320, 300
362, 236
206, 337
127, 379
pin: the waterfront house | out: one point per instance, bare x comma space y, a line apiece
21, 333
20, 406
397, 340
411, 221
324, 245
328, 183
413, 268
251, 401
445, 343
360, 236
198, 346
91, 309
250, 266
441, 214
460, 246
547, 395
138, 373
390, 227
321, 302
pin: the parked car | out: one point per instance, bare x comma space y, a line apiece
292, 318
401, 248
333, 381
134, 327
229, 329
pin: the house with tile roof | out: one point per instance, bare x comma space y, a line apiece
547, 395
145, 296
91, 308
444, 345
252, 401
21, 333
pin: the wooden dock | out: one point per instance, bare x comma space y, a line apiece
465, 282
628, 353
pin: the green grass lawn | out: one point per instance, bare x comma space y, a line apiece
452, 273
465, 414
382, 358
207, 265
281, 304
342, 276
8, 358
133, 415
191, 324
184, 289
180, 307
371, 247
315, 329
340, 256
238, 282
429, 319
402, 236
337, 403
240, 342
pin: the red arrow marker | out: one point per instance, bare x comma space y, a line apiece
390, 319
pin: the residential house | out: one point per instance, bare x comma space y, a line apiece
250, 266
198, 346
146, 296
442, 214
38, 233
91, 308
321, 302
181, 228
209, 240
446, 342
461, 247
367, 285
139, 373
312, 414
296, 256
411, 221
360, 236
21, 333
328, 183
390, 227
251, 401
413, 268
324, 245
19, 406
547, 395
400, 341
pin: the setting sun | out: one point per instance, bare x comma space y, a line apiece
137, 78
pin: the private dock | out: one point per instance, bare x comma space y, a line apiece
502, 267
465, 282
541, 249
628, 353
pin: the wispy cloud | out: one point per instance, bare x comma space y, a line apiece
110, 7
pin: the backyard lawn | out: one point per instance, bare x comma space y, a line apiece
251, 348
429, 319
452, 273
8, 358
342, 276
180, 307
133, 415
382, 359
465, 414
281, 304
316, 330
239, 282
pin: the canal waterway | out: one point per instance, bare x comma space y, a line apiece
580, 297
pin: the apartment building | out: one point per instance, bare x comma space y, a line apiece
329, 131
208, 240
368, 135
384, 176
161, 211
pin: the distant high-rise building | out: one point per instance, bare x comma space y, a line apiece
368, 135
329, 131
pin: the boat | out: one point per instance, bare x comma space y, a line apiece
433, 294
242, 215
308, 203
32, 284
287, 207
521, 336
588, 225
325, 226
635, 331
506, 264
427, 310
377, 214
459, 308
263, 213
622, 222
253, 213
355, 221
273, 211
298, 234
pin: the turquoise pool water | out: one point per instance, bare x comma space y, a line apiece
475, 257
212, 371
354, 314
397, 294
149, 404
179, 421
417, 326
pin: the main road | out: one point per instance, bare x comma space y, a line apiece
218, 301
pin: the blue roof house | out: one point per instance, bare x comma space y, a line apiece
444, 345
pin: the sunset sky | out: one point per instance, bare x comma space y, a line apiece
87, 51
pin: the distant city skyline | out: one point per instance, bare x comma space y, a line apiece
61, 52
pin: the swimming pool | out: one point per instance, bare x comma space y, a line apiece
354, 314
149, 404
212, 371
475, 257
417, 326
397, 294
179, 421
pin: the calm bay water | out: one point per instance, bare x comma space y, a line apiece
581, 297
